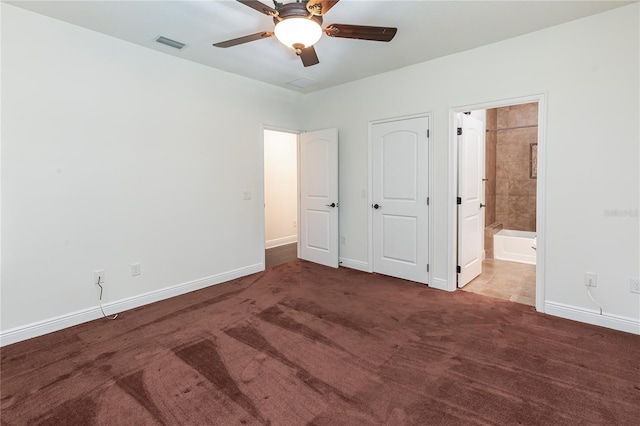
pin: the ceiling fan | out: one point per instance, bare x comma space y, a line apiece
298, 25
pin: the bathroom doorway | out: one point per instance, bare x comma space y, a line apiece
507, 208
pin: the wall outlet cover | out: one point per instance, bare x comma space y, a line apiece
590, 279
135, 269
98, 277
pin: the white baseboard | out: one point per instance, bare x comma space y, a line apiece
616, 322
40, 328
440, 284
281, 241
354, 264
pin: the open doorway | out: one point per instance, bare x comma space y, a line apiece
301, 196
281, 196
505, 235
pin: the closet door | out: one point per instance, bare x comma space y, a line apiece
400, 190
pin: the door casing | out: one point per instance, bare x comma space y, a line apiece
452, 225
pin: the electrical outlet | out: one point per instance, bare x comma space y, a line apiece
135, 269
295, 223
590, 279
634, 285
98, 277
343, 240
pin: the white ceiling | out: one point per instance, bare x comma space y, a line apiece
426, 30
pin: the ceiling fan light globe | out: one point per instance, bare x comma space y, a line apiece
296, 31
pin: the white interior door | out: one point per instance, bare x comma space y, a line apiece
400, 189
471, 195
319, 197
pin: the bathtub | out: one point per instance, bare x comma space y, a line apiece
514, 246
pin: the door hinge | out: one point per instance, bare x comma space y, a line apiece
458, 200
458, 269
459, 131
427, 267
427, 132
427, 200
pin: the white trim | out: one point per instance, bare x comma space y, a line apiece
354, 264
262, 196
431, 154
541, 99
1, 174
452, 215
401, 118
369, 199
299, 195
541, 204
281, 241
616, 322
440, 284
281, 129
40, 328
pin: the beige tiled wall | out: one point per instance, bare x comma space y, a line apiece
515, 191
489, 231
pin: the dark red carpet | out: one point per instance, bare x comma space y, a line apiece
303, 344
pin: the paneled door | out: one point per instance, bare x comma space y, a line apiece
470, 196
400, 190
319, 197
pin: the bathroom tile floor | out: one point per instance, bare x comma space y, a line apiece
506, 280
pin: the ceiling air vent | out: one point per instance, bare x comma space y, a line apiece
171, 43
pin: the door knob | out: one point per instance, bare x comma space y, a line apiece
376, 206
331, 205
482, 205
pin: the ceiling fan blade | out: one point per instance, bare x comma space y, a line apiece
245, 39
259, 6
320, 7
308, 56
361, 32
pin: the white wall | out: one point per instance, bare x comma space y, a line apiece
588, 70
114, 154
280, 188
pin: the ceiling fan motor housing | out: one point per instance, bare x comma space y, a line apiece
295, 10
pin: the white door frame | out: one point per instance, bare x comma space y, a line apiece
452, 222
262, 193
370, 185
